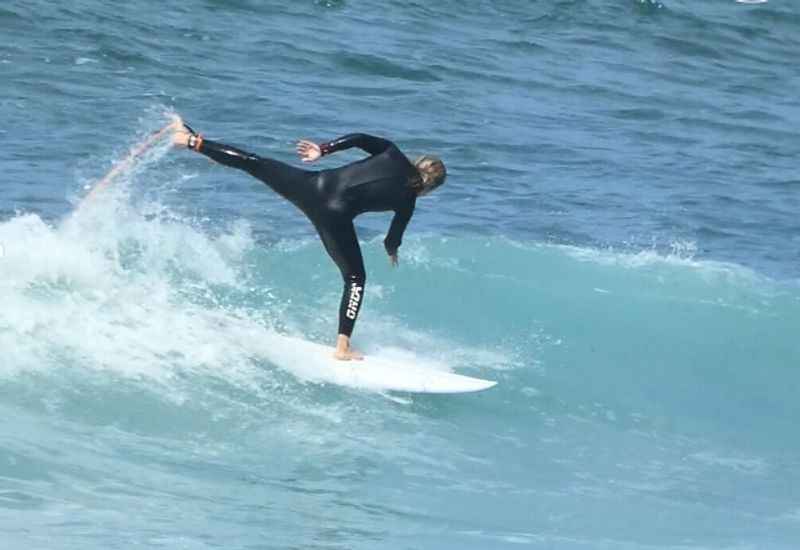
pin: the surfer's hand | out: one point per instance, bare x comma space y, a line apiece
393, 259
308, 150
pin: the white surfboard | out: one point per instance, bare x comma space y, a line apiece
315, 363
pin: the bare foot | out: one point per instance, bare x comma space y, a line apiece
348, 355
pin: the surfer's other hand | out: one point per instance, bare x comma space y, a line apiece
308, 150
393, 259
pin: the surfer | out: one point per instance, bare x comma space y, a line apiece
384, 181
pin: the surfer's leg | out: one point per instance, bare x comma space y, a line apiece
341, 242
292, 183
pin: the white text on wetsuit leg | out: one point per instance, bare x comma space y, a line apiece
355, 299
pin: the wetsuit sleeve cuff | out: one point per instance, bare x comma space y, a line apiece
195, 142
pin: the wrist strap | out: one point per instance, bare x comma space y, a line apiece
195, 142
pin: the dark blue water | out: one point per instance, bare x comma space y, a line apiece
617, 244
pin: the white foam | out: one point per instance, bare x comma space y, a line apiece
388, 337
68, 294
106, 289
743, 465
681, 254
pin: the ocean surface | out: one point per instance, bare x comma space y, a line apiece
617, 244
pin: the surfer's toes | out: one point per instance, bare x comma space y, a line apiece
349, 355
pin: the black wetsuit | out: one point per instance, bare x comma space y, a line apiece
332, 198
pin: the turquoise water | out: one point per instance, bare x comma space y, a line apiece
617, 245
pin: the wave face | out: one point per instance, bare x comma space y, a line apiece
639, 394
616, 245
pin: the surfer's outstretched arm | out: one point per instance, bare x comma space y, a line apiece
394, 238
310, 151
371, 144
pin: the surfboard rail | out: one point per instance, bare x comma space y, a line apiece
314, 362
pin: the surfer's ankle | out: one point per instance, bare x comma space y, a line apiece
343, 350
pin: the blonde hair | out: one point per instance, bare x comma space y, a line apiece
432, 174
